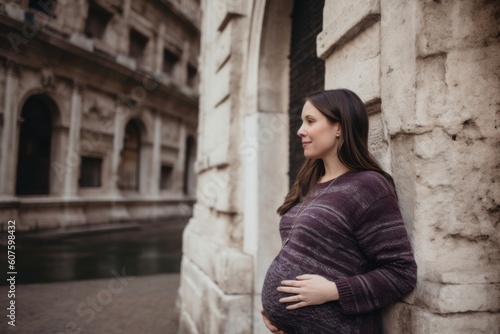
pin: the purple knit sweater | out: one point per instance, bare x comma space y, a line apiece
350, 231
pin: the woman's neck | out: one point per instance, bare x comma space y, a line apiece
333, 169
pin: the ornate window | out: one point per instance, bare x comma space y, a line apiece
166, 177
137, 46
170, 59
97, 21
45, 6
90, 172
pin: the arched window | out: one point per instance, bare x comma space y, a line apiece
35, 141
130, 162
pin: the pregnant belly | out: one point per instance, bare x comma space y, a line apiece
322, 318
278, 271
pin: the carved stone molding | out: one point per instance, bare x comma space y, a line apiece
11, 67
47, 78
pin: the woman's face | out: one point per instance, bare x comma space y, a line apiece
320, 138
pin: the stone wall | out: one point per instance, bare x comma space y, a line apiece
428, 72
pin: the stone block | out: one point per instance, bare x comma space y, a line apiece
224, 10
398, 64
362, 57
126, 61
216, 130
473, 100
222, 47
196, 291
457, 298
218, 188
200, 250
234, 273
82, 41
186, 324
238, 315
397, 318
222, 80
14, 11
490, 275
404, 175
344, 20
431, 93
425, 322
228, 313
378, 143
447, 25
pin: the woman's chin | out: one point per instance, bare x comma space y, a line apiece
309, 156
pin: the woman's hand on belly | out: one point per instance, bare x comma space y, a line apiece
308, 290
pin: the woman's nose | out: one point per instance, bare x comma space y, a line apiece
301, 132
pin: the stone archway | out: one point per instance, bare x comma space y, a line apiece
35, 146
266, 118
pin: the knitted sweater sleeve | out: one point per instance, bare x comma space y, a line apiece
382, 236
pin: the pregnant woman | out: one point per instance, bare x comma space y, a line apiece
345, 251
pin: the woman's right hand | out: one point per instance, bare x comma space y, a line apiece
269, 325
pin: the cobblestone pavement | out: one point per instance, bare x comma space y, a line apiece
135, 305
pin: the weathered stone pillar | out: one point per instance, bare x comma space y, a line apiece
9, 144
216, 286
119, 128
264, 146
156, 156
440, 85
123, 43
72, 159
160, 45
181, 160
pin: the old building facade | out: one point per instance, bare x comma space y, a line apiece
428, 72
99, 110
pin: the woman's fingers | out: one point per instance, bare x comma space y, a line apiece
304, 277
291, 299
308, 290
287, 289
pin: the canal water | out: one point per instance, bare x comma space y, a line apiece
131, 249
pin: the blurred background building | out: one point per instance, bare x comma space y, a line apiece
98, 111
428, 72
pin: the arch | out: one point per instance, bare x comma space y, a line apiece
38, 117
145, 121
266, 118
130, 162
53, 101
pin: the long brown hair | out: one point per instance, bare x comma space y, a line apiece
344, 106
